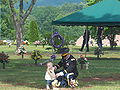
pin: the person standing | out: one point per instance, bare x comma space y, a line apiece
86, 37
99, 36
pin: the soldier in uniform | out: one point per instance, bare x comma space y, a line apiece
86, 38
69, 64
99, 36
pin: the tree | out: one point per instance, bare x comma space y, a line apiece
7, 29
26, 32
45, 15
34, 32
109, 33
71, 33
92, 2
19, 18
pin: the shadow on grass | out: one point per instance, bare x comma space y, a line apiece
94, 58
111, 80
104, 48
24, 73
114, 49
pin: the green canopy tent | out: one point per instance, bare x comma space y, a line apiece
104, 13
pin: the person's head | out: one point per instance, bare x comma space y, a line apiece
49, 65
65, 55
64, 52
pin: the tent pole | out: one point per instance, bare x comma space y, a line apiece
86, 40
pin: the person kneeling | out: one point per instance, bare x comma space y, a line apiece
69, 72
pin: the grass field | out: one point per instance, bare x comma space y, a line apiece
22, 74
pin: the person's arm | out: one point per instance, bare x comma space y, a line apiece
59, 65
51, 73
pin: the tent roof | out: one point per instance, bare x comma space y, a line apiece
104, 13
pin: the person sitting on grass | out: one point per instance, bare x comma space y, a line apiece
50, 75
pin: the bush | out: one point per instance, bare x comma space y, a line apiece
1, 42
4, 57
36, 55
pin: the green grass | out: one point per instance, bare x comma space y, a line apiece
24, 75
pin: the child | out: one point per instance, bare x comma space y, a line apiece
50, 75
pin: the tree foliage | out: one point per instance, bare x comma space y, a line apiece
45, 15
92, 2
34, 33
7, 29
42, 17
109, 33
19, 17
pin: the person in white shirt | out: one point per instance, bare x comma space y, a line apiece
50, 75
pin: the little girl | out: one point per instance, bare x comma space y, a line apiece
50, 75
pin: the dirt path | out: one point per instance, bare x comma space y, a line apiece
89, 79
110, 78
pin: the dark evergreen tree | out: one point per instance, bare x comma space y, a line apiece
34, 32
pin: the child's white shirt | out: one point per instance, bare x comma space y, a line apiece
50, 74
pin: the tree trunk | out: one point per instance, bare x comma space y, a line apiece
19, 21
82, 66
3, 65
111, 37
35, 62
18, 35
111, 44
111, 40
98, 56
22, 55
43, 45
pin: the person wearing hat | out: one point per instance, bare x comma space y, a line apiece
69, 64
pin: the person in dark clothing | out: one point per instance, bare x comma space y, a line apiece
86, 37
69, 64
99, 36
